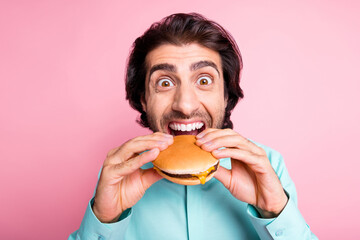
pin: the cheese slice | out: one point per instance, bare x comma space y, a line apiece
202, 176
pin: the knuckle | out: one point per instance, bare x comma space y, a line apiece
247, 141
128, 142
228, 130
263, 151
125, 165
111, 152
108, 159
157, 134
127, 145
106, 168
120, 165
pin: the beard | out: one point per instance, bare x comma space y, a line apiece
218, 122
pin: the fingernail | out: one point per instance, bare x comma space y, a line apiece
200, 141
161, 142
208, 144
216, 151
153, 150
200, 135
169, 140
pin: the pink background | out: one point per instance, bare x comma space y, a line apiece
63, 105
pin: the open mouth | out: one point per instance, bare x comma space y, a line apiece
193, 128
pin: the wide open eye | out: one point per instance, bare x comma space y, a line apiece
204, 80
165, 83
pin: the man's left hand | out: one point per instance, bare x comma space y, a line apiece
251, 178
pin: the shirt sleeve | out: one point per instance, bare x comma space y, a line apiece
92, 229
290, 224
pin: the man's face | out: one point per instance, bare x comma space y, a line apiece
184, 89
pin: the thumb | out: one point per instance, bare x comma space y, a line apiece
224, 176
149, 177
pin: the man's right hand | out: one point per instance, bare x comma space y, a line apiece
122, 183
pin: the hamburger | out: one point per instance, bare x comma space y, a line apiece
185, 163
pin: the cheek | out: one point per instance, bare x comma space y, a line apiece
215, 105
213, 101
157, 105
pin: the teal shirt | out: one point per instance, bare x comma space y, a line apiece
171, 211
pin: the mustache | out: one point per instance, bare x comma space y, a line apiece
179, 115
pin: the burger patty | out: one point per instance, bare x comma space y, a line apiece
188, 175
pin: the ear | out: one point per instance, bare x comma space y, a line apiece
143, 102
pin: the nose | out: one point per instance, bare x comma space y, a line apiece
186, 100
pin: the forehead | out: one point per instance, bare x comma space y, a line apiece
182, 55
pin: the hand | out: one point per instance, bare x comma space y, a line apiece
251, 178
122, 183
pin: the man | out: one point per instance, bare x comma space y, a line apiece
183, 77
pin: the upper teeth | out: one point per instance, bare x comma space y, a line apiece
186, 127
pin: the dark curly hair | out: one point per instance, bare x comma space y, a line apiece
179, 29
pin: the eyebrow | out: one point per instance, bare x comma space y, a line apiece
201, 64
163, 66
193, 67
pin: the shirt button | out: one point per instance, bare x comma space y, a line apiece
279, 233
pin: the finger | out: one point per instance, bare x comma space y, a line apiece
206, 131
154, 136
227, 138
133, 148
149, 177
224, 176
130, 166
229, 141
211, 134
255, 162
